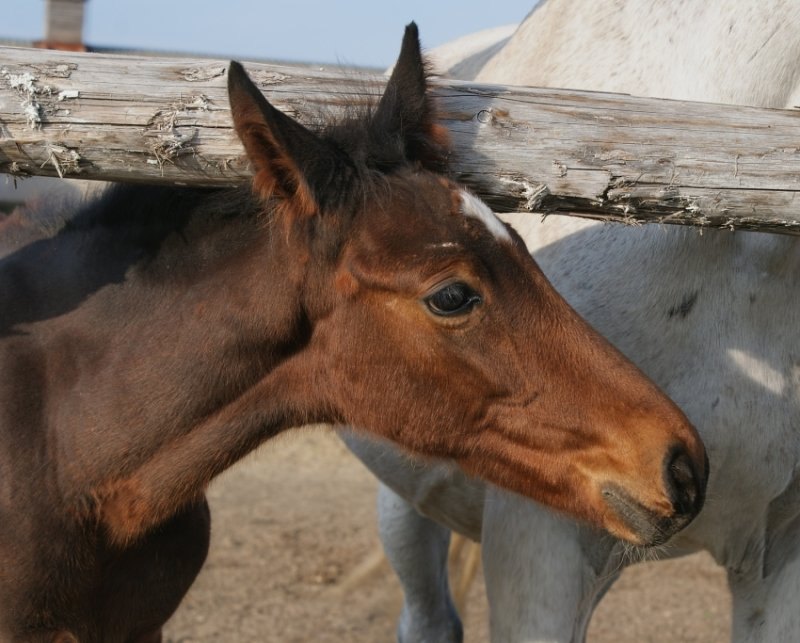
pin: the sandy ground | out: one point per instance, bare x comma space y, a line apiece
292, 523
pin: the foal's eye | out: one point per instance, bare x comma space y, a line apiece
454, 299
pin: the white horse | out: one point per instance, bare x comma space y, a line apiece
714, 318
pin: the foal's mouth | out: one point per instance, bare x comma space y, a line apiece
650, 528
684, 484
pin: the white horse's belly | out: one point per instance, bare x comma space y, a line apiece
437, 490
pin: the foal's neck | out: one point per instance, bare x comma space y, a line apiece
178, 314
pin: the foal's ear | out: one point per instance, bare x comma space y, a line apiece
406, 111
289, 161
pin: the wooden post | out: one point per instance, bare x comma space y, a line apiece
64, 25
606, 156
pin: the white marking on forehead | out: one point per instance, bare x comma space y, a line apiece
473, 207
444, 245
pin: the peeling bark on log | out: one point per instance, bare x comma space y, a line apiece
606, 156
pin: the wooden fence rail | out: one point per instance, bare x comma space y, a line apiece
608, 156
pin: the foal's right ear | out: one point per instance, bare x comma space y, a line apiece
289, 161
406, 113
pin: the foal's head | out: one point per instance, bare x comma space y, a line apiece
427, 321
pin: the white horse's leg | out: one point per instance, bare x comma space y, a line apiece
417, 550
766, 596
544, 573
768, 610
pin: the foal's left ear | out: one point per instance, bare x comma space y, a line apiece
289, 161
406, 112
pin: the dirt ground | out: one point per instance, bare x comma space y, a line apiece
293, 522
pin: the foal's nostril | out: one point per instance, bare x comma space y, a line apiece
682, 484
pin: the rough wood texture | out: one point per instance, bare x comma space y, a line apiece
600, 155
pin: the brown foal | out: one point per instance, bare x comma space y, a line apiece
163, 333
